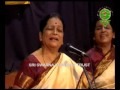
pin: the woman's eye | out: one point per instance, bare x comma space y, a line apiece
49, 28
106, 27
98, 28
60, 30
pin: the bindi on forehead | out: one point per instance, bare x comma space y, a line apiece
56, 23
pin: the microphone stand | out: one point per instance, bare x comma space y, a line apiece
86, 74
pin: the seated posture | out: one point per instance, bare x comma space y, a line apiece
47, 67
102, 57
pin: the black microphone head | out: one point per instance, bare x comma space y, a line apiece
68, 44
74, 50
67, 47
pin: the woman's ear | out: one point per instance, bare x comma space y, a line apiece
62, 43
113, 35
40, 36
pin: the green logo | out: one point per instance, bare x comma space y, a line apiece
105, 15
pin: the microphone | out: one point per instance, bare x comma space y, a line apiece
74, 50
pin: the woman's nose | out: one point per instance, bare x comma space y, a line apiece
103, 29
55, 31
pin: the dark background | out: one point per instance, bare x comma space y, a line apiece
22, 27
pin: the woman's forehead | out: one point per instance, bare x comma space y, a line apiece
98, 23
55, 21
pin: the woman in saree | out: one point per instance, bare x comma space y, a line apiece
102, 57
47, 67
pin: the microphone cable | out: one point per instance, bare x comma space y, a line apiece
91, 67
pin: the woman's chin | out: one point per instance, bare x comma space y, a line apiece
54, 46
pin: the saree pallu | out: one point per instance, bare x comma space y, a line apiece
64, 75
107, 79
105, 72
103, 76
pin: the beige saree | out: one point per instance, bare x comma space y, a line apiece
107, 79
64, 75
104, 74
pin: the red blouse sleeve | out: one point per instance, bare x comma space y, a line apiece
27, 69
28, 72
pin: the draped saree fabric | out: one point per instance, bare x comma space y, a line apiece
105, 71
104, 68
107, 79
64, 74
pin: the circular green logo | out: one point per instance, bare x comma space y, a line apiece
105, 14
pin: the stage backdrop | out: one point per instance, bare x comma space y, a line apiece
22, 27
